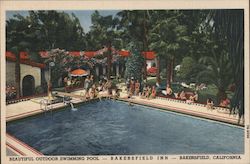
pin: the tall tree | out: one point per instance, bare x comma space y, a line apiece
168, 37
102, 34
60, 30
136, 24
134, 63
231, 24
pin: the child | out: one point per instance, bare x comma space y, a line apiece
153, 95
210, 104
137, 88
148, 92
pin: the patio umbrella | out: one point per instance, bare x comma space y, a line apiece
79, 73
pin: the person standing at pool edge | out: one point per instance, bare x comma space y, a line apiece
137, 87
86, 86
132, 87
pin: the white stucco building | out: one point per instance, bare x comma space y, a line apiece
30, 73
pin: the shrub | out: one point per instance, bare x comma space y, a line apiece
39, 90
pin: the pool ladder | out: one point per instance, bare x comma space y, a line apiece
45, 105
66, 102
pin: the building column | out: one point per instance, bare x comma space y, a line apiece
117, 70
158, 77
111, 68
97, 70
122, 70
104, 70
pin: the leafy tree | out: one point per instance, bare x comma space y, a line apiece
60, 30
48, 30
168, 37
187, 66
134, 64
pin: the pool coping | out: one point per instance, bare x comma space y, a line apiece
20, 148
57, 106
185, 111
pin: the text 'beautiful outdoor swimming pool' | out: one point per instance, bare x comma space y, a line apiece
110, 127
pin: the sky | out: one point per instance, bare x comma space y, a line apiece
83, 15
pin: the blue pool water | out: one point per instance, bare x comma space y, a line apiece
112, 127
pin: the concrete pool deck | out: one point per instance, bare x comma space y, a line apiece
193, 109
31, 107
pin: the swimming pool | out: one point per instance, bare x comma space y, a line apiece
110, 127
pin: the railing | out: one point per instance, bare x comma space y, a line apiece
46, 105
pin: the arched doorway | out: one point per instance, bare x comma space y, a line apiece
28, 85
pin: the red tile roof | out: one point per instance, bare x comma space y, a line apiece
24, 59
89, 54
75, 53
124, 53
149, 55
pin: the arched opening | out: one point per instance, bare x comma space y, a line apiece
28, 86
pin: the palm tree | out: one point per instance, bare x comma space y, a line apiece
218, 72
231, 24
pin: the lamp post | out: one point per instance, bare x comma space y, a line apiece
51, 64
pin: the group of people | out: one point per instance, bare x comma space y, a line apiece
91, 89
224, 103
181, 95
134, 88
148, 92
72, 82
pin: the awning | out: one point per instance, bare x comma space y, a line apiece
79, 73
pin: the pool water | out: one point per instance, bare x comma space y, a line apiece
110, 127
